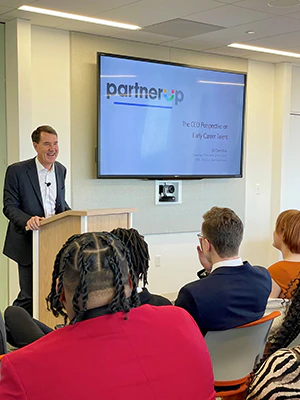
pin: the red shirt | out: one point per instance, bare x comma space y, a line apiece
158, 353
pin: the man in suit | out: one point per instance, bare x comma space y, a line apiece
33, 190
234, 292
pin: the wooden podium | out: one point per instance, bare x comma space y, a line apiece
53, 233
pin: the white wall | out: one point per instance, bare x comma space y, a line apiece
291, 138
258, 162
51, 103
179, 261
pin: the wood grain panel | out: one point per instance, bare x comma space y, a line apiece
99, 223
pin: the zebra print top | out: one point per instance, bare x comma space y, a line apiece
278, 378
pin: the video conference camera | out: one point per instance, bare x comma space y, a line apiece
166, 193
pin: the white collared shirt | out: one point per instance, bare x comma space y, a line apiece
47, 181
236, 262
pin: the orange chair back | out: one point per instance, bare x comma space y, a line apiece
269, 317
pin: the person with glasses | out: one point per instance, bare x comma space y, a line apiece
234, 292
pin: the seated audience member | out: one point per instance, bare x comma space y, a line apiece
113, 348
281, 305
234, 292
22, 329
138, 250
3, 348
278, 376
286, 239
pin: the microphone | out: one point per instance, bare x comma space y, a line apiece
47, 184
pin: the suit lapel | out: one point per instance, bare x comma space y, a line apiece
59, 180
33, 177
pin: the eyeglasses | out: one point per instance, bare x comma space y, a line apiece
201, 237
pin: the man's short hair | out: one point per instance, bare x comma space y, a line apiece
224, 230
36, 134
288, 227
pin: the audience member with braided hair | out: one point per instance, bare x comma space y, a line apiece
278, 375
139, 253
22, 329
287, 240
113, 348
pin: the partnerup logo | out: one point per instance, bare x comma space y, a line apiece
142, 92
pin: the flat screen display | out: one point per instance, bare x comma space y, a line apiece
159, 120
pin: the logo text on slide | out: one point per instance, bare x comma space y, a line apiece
142, 92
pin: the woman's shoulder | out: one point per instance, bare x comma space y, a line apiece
283, 265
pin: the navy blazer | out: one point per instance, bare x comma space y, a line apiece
22, 199
228, 297
153, 299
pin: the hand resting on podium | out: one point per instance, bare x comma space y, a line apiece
33, 223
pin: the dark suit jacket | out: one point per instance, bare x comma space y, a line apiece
153, 299
228, 297
22, 199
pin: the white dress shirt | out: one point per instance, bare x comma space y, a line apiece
48, 188
236, 262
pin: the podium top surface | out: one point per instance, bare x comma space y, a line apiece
88, 213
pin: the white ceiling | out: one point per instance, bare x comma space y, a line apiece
278, 28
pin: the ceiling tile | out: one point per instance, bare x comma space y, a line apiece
86, 7
181, 28
4, 10
189, 44
16, 3
228, 1
143, 37
295, 15
85, 27
229, 16
274, 27
148, 12
265, 28
36, 19
294, 49
281, 42
262, 5
250, 55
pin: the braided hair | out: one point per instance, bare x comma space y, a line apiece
288, 331
138, 250
290, 327
92, 262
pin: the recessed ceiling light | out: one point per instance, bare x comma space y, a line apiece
264, 50
78, 17
284, 3
250, 32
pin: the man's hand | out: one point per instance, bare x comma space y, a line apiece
33, 223
203, 260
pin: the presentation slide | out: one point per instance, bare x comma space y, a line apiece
158, 119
